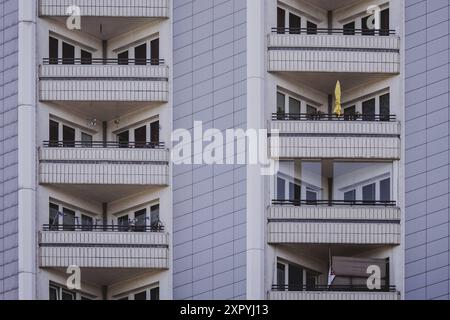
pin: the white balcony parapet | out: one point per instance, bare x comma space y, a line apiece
98, 166
334, 53
334, 225
104, 249
337, 139
103, 83
348, 296
107, 8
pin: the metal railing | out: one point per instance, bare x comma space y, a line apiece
337, 31
332, 288
332, 203
333, 117
101, 61
104, 144
156, 227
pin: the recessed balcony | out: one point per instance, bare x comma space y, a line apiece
333, 50
104, 163
116, 247
106, 19
324, 136
103, 80
334, 222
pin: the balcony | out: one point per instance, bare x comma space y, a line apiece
103, 80
328, 136
114, 16
334, 222
103, 247
103, 163
324, 293
333, 50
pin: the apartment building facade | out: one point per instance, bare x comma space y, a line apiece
87, 179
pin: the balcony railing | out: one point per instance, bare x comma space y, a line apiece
330, 203
104, 144
364, 32
157, 227
101, 61
333, 288
332, 117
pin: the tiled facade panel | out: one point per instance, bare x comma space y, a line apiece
8, 150
209, 201
427, 149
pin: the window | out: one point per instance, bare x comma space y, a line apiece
151, 293
369, 193
311, 112
385, 190
53, 216
366, 28
123, 58
53, 133
294, 107
68, 53
87, 223
68, 220
86, 57
140, 54
368, 108
281, 103
124, 139
140, 296
311, 280
57, 292
140, 136
86, 140
154, 216
154, 294
68, 137
385, 107
154, 52
295, 24
295, 192
154, 132
140, 218
53, 50
384, 23
281, 189
311, 27
350, 113
281, 274
349, 28
311, 197
123, 223
350, 196
281, 20
295, 278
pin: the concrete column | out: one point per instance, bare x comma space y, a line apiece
255, 120
27, 149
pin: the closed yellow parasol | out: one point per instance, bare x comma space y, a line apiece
338, 94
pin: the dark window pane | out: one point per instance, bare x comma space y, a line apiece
154, 54
140, 137
140, 55
294, 106
67, 295
123, 58
384, 23
385, 190
140, 296
385, 107
350, 113
281, 274
68, 220
53, 216
294, 24
311, 112
154, 294
365, 26
124, 139
53, 50
68, 137
311, 196
311, 281
294, 192
68, 53
87, 223
123, 223
281, 20
281, 104
368, 109
154, 132
295, 278
86, 57
140, 218
349, 28
53, 293
154, 216
281, 189
311, 27
350, 196
86, 139
369, 193
53, 133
